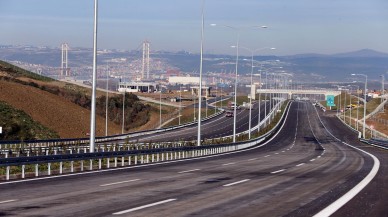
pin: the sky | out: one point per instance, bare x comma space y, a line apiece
294, 26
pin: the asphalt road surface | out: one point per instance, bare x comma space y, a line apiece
214, 128
292, 175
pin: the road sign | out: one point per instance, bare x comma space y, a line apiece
330, 100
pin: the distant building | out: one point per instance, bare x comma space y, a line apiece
132, 87
183, 80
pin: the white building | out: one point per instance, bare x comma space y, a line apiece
183, 80
131, 87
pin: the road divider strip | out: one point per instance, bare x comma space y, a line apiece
144, 206
278, 171
236, 183
117, 183
7, 201
189, 171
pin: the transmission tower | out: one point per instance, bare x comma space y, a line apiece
65, 72
146, 60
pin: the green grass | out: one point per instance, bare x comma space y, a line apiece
17, 125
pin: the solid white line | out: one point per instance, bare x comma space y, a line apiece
336, 205
228, 164
7, 201
267, 155
278, 171
276, 153
143, 207
312, 160
235, 183
187, 171
116, 183
300, 164
252, 159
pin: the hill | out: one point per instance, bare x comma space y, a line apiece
65, 108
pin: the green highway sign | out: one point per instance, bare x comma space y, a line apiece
330, 100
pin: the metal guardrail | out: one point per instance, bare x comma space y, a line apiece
74, 141
184, 151
376, 142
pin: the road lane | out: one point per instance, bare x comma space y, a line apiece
201, 191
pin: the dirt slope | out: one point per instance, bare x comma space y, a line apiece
67, 119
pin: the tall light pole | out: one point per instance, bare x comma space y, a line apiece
382, 89
358, 105
106, 102
200, 76
160, 108
180, 103
366, 81
123, 125
237, 29
94, 84
250, 98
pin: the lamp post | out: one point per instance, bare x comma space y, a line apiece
358, 105
382, 89
106, 103
122, 126
366, 81
200, 76
94, 84
250, 98
180, 103
160, 108
237, 29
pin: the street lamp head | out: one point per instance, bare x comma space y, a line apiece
353, 74
233, 46
273, 48
264, 27
213, 24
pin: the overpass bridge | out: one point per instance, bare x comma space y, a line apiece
291, 92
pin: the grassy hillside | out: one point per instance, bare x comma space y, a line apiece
17, 125
65, 108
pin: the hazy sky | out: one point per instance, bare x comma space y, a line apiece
295, 26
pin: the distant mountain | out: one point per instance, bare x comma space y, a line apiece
364, 53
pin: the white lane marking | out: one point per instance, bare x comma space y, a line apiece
228, 164
288, 149
283, 151
252, 159
312, 160
319, 156
276, 153
235, 183
336, 205
116, 183
151, 164
144, 206
267, 155
300, 164
7, 201
278, 171
187, 171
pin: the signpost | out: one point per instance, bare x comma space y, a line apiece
330, 101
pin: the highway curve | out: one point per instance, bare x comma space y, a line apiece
290, 175
220, 126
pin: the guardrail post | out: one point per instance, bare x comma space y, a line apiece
141, 159
36, 170
162, 156
60, 167
90, 164
115, 161
99, 163
147, 159
135, 159
23, 171
174, 155
129, 160
72, 166
179, 155
152, 158
49, 169
7, 173
108, 163
122, 161
157, 157
82, 165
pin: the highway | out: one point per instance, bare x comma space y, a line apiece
220, 126
302, 170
